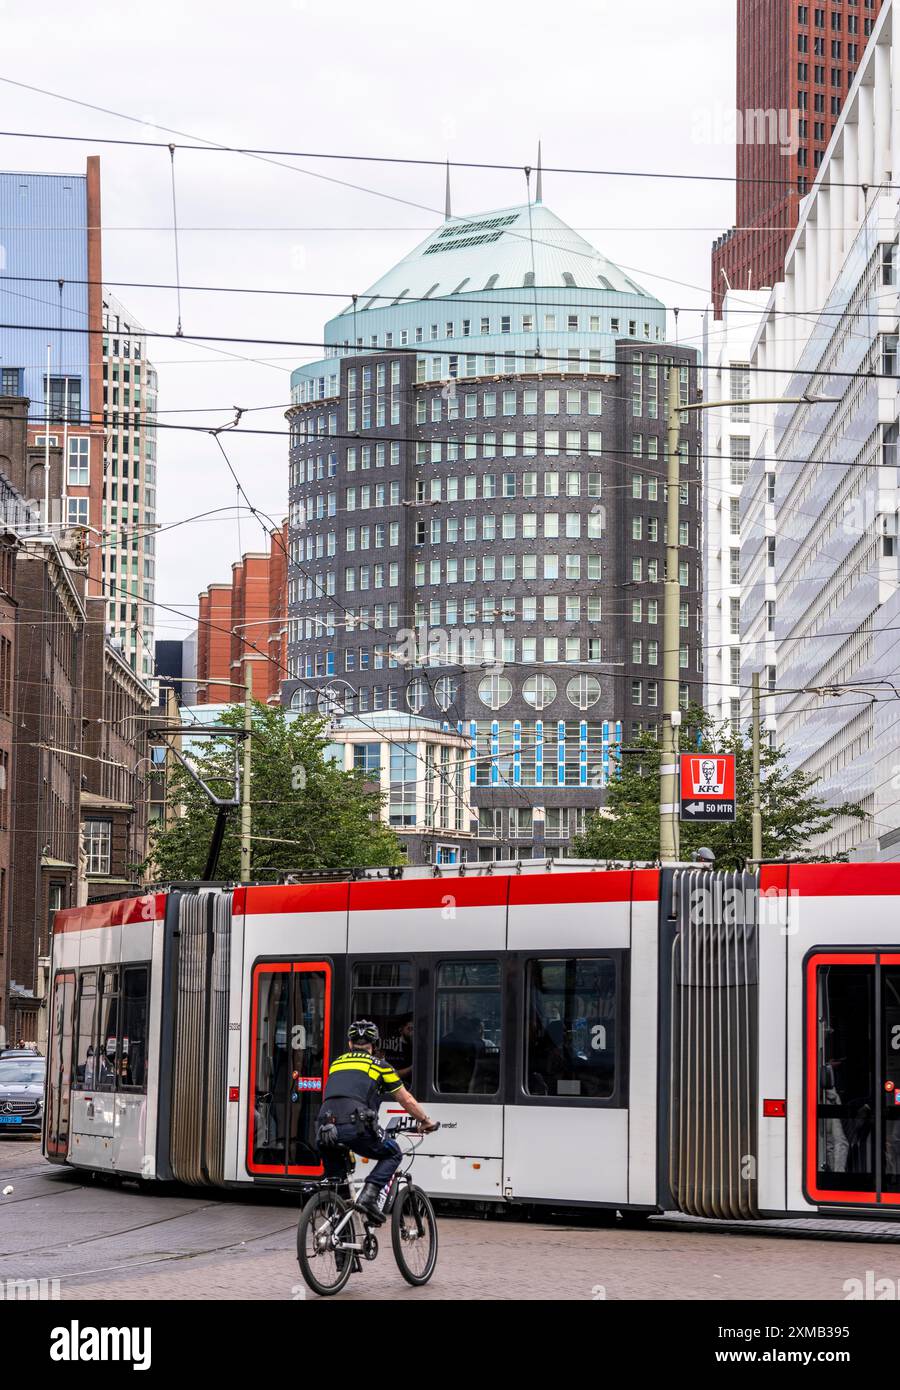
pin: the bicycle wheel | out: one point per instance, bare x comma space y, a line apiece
414, 1235
325, 1269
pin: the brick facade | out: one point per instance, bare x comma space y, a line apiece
246, 617
114, 780
798, 61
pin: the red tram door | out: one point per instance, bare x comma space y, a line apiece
290, 1041
59, 1068
852, 1122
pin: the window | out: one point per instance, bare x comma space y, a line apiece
97, 836
383, 992
9, 381
133, 1032
403, 773
539, 691
289, 1049
740, 460
78, 511
740, 390
65, 398
79, 460
571, 1031
468, 1017
367, 757
495, 691
85, 1045
583, 691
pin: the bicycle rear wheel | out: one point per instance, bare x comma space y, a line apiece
414, 1235
325, 1269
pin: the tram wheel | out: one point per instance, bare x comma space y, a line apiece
325, 1269
414, 1235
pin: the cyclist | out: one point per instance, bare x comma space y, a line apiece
357, 1083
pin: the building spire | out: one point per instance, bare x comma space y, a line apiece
447, 213
539, 186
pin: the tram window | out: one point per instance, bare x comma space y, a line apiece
845, 1111
85, 1060
571, 1027
467, 1027
133, 1040
383, 992
107, 1040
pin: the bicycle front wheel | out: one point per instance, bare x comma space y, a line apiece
325, 1268
414, 1235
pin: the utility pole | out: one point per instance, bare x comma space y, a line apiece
668, 778
245, 776
756, 853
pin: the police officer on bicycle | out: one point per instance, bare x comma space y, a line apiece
357, 1083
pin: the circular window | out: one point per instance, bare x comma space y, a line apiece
583, 691
539, 691
297, 699
332, 699
495, 691
416, 695
445, 692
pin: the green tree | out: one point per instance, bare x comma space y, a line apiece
792, 814
308, 814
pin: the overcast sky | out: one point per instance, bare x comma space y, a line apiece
644, 86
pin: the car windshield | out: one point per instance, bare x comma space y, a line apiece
21, 1071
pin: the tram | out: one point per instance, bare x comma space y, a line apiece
720, 1044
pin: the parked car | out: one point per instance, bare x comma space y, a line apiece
19, 1052
22, 1076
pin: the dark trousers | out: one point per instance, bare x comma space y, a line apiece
370, 1145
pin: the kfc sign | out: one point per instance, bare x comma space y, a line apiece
707, 787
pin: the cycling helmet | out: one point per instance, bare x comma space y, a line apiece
364, 1031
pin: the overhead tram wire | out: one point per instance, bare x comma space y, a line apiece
636, 464
589, 363
468, 297
307, 681
206, 146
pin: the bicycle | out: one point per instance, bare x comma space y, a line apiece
334, 1236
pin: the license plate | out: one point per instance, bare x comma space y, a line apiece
10, 1119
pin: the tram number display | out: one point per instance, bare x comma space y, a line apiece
707, 787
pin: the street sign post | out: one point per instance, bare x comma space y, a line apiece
707, 787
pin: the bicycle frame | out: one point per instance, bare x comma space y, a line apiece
355, 1185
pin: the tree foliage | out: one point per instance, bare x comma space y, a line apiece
308, 815
792, 814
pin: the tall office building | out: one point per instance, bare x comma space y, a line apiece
730, 442
51, 352
820, 562
795, 66
128, 546
477, 516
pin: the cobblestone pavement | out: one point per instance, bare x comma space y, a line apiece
104, 1242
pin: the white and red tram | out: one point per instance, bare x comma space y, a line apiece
684, 1039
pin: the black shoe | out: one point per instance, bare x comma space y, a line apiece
367, 1203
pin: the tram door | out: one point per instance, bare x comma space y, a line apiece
290, 1045
59, 1071
853, 1078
